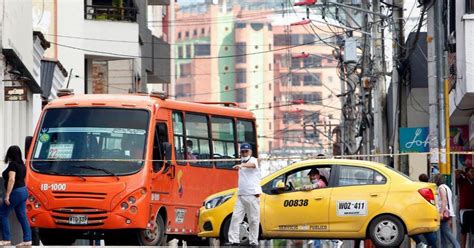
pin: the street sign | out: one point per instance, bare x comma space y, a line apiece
15, 93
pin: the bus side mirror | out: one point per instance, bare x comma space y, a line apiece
28, 141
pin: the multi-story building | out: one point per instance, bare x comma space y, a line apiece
237, 53
306, 89
226, 57
105, 44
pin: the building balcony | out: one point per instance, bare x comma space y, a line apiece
108, 10
462, 91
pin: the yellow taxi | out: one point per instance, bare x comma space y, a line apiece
362, 200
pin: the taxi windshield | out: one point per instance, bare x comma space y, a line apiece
91, 141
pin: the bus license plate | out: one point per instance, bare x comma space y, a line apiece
78, 220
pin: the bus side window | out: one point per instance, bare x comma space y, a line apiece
246, 134
223, 141
198, 141
178, 133
161, 138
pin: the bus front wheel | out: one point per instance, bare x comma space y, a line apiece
55, 237
155, 236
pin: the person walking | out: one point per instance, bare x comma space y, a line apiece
248, 197
465, 182
15, 196
446, 211
431, 237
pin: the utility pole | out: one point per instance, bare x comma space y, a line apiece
397, 89
432, 90
439, 46
379, 79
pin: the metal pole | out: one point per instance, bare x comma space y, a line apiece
439, 46
432, 91
397, 37
379, 89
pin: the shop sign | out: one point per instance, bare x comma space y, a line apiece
15, 93
414, 139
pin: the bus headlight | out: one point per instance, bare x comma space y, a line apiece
216, 201
31, 198
132, 200
124, 205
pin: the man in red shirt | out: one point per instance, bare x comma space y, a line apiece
465, 182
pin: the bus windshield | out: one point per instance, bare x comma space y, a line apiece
91, 142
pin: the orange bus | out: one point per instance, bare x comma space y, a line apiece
132, 169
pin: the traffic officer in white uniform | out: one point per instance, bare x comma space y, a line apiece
248, 197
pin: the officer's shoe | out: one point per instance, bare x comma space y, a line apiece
253, 245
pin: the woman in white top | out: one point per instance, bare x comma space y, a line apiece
445, 204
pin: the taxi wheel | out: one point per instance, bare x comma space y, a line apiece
386, 231
244, 231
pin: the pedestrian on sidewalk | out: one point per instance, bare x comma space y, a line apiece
431, 237
465, 182
446, 212
248, 197
15, 196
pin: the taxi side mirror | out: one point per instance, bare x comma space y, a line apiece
279, 187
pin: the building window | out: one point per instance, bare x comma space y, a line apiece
203, 31
187, 34
241, 95
180, 52
240, 25
312, 61
124, 10
240, 52
241, 76
295, 39
202, 49
188, 51
185, 70
295, 63
469, 6
308, 38
284, 81
295, 80
179, 35
281, 40
312, 80
195, 32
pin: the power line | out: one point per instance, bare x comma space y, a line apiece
177, 58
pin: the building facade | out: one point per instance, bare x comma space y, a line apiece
110, 49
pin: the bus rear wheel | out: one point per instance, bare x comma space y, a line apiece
153, 237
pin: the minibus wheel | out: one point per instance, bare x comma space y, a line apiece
55, 237
153, 237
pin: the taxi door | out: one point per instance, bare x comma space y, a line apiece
359, 194
294, 213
